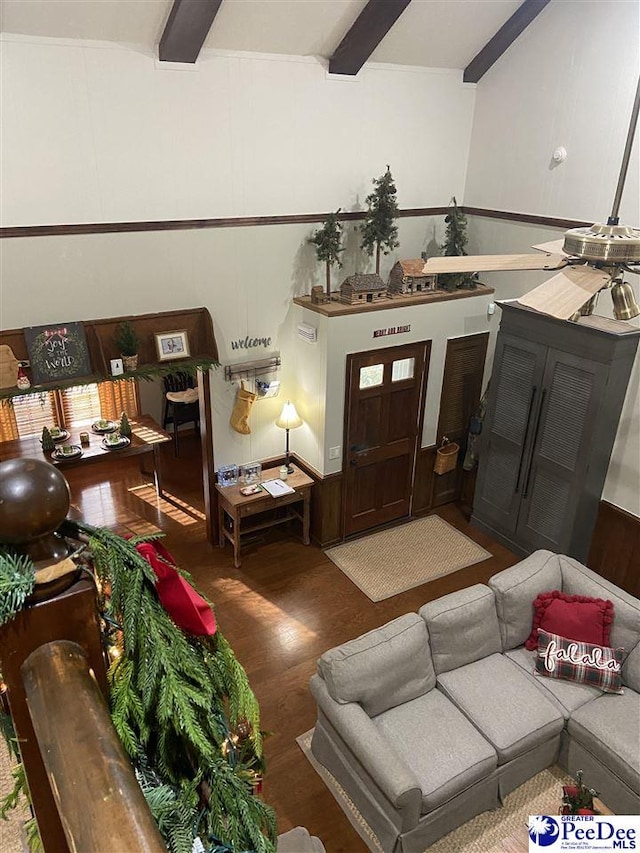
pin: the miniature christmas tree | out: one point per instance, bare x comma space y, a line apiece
48, 444
327, 241
125, 426
379, 230
455, 243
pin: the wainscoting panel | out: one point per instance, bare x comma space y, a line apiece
615, 547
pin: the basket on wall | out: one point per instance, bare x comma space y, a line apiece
446, 456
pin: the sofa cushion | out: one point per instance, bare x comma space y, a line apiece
609, 728
583, 663
439, 745
515, 590
579, 580
463, 627
386, 667
577, 617
631, 669
500, 700
567, 694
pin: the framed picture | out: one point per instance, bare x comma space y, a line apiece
57, 352
172, 345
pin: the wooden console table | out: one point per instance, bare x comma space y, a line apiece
238, 514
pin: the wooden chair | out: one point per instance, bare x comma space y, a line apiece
181, 404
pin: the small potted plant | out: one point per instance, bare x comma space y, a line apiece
127, 341
578, 799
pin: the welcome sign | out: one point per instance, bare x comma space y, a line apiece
57, 352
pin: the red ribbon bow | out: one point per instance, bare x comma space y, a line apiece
185, 606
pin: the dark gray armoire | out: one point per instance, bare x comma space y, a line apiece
554, 404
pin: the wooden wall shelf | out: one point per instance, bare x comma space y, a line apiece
335, 308
99, 333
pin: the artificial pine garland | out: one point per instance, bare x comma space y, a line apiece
181, 705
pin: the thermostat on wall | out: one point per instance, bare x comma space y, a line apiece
307, 333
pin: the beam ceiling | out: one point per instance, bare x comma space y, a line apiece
503, 39
371, 26
187, 27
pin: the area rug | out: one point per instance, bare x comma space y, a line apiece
11, 830
388, 563
489, 832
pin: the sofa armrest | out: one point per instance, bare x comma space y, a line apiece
381, 762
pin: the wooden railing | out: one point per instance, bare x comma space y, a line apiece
83, 789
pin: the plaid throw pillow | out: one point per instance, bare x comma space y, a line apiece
599, 666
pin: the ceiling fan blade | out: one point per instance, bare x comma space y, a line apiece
493, 263
553, 247
565, 293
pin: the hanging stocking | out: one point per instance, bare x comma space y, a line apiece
240, 415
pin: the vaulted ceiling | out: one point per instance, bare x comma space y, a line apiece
346, 33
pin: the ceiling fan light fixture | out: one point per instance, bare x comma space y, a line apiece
609, 244
625, 306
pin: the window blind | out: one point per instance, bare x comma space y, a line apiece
33, 412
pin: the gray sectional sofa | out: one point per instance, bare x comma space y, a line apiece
436, 716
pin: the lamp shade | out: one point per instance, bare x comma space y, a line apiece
289, 418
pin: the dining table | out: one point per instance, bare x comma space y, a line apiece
146, 437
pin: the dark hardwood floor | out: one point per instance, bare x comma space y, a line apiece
280, 611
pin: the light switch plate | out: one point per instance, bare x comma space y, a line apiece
334, 452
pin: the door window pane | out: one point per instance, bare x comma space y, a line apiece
403, 369
371, 376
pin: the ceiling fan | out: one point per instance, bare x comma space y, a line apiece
590, 259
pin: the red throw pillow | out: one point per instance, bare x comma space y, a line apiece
576, 617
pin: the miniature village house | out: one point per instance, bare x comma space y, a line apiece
319, 296
363, 287
407, 277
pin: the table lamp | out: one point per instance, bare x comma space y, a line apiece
289, 419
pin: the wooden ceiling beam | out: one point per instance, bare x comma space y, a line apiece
503, 39
371, 26
186, 29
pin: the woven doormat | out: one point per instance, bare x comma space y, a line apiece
395, 560
489, 832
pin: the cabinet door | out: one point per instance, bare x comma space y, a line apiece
513, 402
571, 391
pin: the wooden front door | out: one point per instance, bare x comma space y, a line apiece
383, 408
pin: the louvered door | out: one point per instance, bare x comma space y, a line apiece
514, 400
556, 397
551, 486
461, 387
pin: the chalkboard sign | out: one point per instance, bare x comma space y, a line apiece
57, 352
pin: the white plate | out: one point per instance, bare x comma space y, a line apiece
111, 426
63, 435
123, 442
58, 454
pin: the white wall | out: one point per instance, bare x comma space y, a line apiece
95, 133
569, 80
100, 133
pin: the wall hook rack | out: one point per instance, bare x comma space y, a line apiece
252, 369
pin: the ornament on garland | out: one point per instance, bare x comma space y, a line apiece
48, 444
125, 426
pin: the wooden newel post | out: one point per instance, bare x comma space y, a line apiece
72, 615
98, 798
